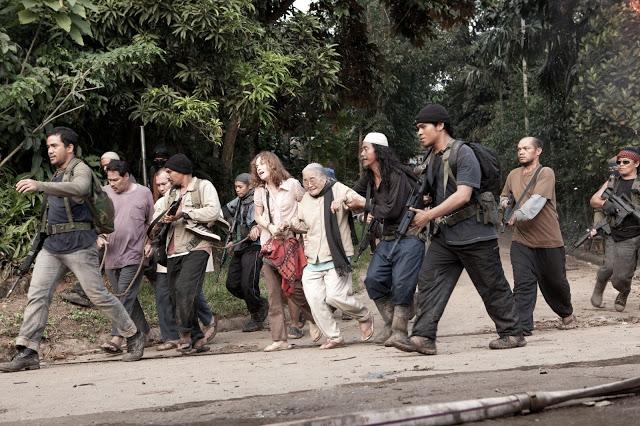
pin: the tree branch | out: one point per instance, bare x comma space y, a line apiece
33, 42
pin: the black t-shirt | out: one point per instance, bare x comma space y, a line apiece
389, 201
68, 242
630, 227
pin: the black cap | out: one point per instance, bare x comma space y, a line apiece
161, 151
433, 113
180, 163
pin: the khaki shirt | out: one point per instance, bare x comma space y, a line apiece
543, 231
311, 221
207, 213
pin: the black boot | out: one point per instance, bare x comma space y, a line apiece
135, 347
77, 296
25, 359
596, 297
399, 338
385, 307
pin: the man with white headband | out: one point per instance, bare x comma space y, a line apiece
392, 275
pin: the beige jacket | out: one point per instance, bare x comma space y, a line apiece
185, 241
310, 220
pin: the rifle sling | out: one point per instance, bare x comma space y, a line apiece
527, 188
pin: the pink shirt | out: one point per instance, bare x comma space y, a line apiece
283, 204
134, 210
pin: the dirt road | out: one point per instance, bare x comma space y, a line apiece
238, 384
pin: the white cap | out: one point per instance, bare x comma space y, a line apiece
376, 138
110, 155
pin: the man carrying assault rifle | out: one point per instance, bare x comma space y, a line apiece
619, 199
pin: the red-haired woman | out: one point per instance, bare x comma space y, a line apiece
276, 199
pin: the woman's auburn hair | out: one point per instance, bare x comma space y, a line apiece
277, 172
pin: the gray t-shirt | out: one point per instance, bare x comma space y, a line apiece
467, 173
134, 210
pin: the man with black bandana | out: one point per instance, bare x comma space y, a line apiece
392, 277
624, 241
244, 269
460, 242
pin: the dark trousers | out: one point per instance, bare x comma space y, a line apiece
544, 267
440, 272
186, 276
396, 277
243, 278
166, 310
121, 279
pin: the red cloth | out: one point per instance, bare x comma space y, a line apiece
287, 256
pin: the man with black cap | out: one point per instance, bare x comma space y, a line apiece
624, 241
393, 271
187, 251
244, 269
460, 240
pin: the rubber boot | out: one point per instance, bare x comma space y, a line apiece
135, 347
385, 307
596, 297
399, 338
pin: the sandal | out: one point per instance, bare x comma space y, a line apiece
171, 344
278, 346
210, 331
333, 343
364, 336
314, 332
294, 332
111, 348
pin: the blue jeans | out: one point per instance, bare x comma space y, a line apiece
48, 270
395, 278
120, 280
166, 309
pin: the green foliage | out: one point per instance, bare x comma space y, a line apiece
606, 113
18, 220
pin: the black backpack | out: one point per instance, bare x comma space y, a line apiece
491, 174
490, 178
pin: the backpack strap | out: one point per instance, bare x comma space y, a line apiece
66, 177
449, 158
196, 198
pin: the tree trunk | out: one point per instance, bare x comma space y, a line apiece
231, 129
525, 88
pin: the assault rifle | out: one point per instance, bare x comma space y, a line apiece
604, 225
232, 227
415, 200
158, 231
368, 238
622, 206
36, 246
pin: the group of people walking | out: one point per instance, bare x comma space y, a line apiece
301, 239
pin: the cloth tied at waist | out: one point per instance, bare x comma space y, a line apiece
287, 256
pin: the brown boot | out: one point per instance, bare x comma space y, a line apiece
385, 307
399, 338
